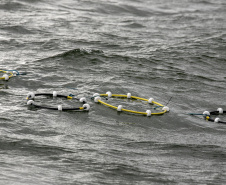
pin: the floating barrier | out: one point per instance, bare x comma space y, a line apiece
31, 101
97, 98
219, 111
208, 115
7, 75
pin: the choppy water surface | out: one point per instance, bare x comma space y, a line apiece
158, 49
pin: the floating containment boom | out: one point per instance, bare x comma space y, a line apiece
208, 115
31, 97
97, 98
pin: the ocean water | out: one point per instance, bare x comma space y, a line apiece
173, 51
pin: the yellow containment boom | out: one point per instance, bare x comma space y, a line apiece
97, 98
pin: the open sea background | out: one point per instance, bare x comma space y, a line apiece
154, 48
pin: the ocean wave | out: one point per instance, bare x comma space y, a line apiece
11, 5
16, 29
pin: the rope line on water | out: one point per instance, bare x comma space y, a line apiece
195, 114
169, 100
16, 72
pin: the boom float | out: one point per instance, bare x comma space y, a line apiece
31, 96
7, 75
97, 98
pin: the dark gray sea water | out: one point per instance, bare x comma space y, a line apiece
150, 48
